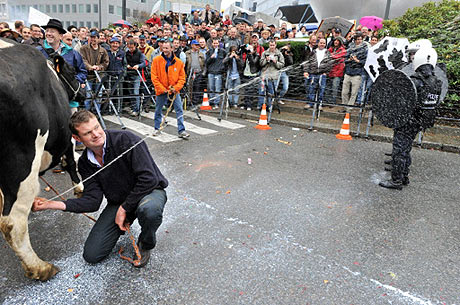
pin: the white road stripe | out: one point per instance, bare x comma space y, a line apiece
143, 129
214, 121
188, 126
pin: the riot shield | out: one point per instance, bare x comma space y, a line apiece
394, 97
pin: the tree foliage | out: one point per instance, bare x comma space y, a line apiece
440, 23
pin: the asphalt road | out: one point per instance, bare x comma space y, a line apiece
304, 223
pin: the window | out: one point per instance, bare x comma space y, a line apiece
74, 8
111, 9
67, 8
96, 24
54, 7
41, 7
61, 8
82, 24
48, 8
88, 24
119, 10
96, 8
135, 13
128, 12
142, 1
81, 8
35, 6
74, 23
88, 8
67, 24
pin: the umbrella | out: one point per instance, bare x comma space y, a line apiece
327, 24
372, 22
123, 23
237, 20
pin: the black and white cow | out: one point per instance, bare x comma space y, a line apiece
34, 133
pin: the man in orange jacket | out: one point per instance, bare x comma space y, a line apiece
168, 78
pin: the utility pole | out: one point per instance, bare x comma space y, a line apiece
387, 10
123, 9
100, 15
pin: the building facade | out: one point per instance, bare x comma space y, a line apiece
4, 16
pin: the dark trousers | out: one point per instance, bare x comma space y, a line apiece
105, 232
402, 145
199, 84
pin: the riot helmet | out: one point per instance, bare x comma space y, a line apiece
425, 56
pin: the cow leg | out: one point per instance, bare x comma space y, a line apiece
70, 166
15, 226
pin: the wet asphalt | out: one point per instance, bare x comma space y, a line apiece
304, 223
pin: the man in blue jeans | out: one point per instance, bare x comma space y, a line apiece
168, 78
133, 185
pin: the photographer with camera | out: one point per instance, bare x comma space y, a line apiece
284, 77
234, 66
251, 59
271, 62
215, 68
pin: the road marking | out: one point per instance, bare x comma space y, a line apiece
142, 129
214, 121
188, 126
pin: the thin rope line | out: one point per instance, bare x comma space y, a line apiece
102, 168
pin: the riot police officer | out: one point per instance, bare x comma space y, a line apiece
428, 98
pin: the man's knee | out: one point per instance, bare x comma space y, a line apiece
92, 254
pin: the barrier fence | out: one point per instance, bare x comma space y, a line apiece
112, 93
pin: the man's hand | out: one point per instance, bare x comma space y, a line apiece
120, 219
83, 85
136, 67
41, 204
305, 75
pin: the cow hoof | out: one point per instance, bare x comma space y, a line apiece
42, 274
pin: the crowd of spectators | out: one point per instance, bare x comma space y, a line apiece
218, 54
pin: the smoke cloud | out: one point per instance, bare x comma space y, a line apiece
355, 9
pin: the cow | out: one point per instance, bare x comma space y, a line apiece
34, 132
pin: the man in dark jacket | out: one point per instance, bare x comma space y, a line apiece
251, 70
53, 44
354, 67
315, 73
215, 68
134, 188
135, 61
117, 65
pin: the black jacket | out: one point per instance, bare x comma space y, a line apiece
428, 93
215, 65
125, 182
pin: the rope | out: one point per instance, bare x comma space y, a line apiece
62, 197
171, 100
135, 262
102, 168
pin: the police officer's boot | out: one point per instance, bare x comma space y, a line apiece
392, 184
405, 180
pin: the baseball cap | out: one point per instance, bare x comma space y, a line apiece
153, 37
114, 39
255, 34
94, 34
142, 37
194, 42
260, 20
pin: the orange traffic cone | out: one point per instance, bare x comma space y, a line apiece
205, 105
263, 125
345, 131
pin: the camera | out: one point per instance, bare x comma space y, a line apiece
244, 49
